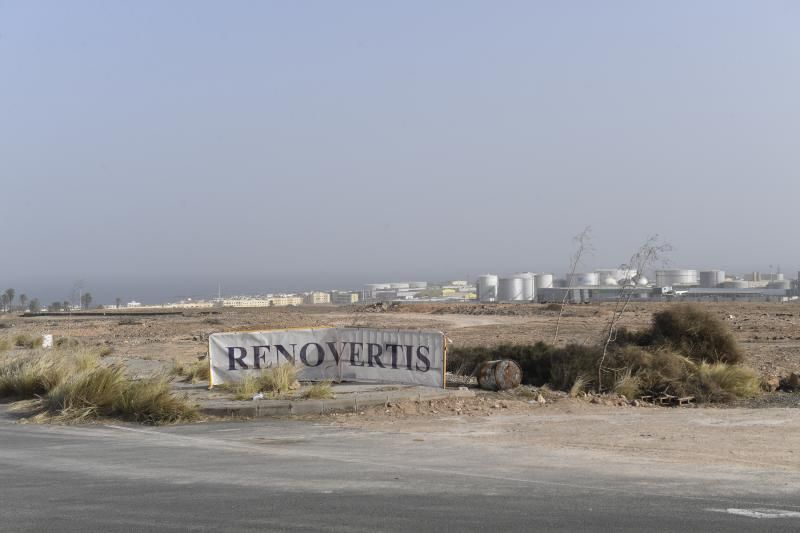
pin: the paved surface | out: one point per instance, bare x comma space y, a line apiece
288, 475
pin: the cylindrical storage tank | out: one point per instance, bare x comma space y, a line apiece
528, 290
487, 288
509, 289
609, 281
711, 278
680, 276
503, 374
736, 284
542, 281
583, 279
779, 276
642, 281
398, 285
780, 284
418, 284
604, 274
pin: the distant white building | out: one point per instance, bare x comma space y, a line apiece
315, 298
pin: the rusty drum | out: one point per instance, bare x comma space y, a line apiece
502, 374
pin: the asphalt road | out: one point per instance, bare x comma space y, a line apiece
303, 476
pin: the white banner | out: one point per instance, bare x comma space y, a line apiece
338, 354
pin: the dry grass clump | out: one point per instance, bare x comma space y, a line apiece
23, 340
276, 380
105, 391
319, 391
73, 385
628, 385
578, 387
721, 382
192, 372
29, 376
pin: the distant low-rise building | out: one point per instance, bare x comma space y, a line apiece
344, 298
316, 298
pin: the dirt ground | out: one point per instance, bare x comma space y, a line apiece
769, 332
736, 435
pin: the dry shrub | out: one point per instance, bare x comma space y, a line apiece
23, 340
578, 387
193, 372
87, 394
105, 391
5, 344
66, 343
74, 386
721, 382
319, 391
30, 376
278, 379
150, 401
695, 332
245, 389
275, 380
628, 385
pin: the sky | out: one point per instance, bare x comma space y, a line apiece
153, 150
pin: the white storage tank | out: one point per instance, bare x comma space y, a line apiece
510, 289
542, 281
736, 284
583, 279
604, 274
679, 276
711, 278
487, 288
528, 288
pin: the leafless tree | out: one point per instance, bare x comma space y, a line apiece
649, 253
583, 245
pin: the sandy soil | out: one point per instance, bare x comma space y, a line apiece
755, 438
744, 437
769, 332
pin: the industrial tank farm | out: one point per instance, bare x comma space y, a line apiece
681, 276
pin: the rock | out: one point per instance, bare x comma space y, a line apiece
295, 385
636, 403
540, 400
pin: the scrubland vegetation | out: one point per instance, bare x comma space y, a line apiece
70, 383
685, 352
274, 381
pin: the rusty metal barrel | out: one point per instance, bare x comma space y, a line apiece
502, 374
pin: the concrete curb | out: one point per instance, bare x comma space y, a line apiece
353, 403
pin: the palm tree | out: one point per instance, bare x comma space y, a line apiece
9, 300
23, 298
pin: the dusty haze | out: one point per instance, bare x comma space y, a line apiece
154, 150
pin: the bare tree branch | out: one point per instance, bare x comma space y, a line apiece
583, 242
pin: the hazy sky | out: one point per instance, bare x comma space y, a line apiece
154, 149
